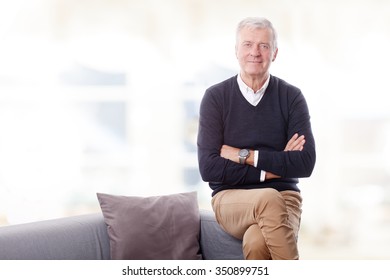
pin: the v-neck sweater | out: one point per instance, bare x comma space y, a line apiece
226, 117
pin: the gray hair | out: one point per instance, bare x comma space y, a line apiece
258, 23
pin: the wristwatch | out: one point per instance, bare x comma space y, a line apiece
243, 154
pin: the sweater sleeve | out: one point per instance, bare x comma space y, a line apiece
292, 164
214, 168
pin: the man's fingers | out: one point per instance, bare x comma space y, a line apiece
295, 143
290, 143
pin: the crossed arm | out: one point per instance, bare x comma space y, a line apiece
296, 143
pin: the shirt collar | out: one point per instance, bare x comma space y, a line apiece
244, 88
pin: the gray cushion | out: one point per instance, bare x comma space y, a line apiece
216, 244
81, 237
157, 227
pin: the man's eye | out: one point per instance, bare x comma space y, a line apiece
264, 46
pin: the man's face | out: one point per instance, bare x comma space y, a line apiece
254, 51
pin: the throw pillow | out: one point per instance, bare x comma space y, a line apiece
152, 228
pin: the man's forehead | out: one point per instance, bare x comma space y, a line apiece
251, 32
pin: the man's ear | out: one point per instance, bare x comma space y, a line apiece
274, 55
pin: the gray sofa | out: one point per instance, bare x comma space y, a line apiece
85, 237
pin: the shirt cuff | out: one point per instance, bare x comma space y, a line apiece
256, 159
262, 176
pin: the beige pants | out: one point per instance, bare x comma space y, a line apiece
267, 221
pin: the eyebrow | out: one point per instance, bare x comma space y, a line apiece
260, 43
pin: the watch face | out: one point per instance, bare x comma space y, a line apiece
243, 153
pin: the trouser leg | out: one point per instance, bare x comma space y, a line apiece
253, 244
266, 220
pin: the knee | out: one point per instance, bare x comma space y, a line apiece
253, 239
270, 199
270, 193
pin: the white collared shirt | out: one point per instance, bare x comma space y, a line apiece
254, 99
251, 96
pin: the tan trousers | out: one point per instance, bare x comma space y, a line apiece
266, 220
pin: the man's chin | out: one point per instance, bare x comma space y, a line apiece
255, 73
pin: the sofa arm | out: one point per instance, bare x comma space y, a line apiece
76, 238
215, 243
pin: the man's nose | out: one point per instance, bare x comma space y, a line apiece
255, 50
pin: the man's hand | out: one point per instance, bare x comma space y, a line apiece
230, 153
295, 143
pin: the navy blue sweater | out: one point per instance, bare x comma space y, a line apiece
226, 117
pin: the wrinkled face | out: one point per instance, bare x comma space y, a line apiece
255, 52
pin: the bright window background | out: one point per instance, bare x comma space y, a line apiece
103, 96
